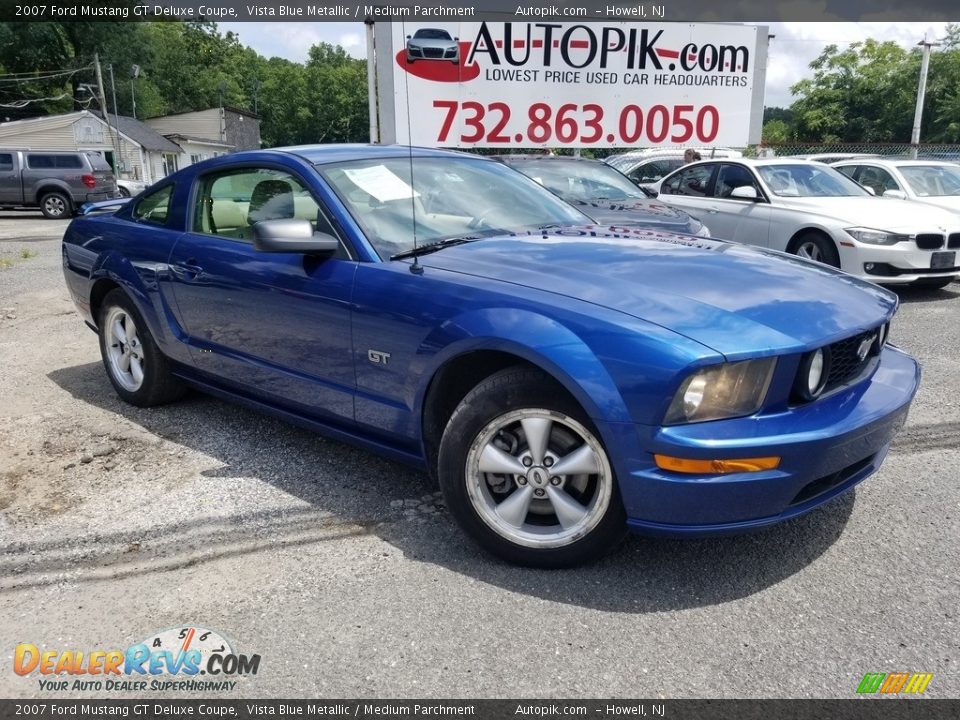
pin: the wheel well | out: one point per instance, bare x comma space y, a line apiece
97, 294
795, 240
53, 188
450, 385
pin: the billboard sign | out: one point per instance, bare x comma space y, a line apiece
522, 84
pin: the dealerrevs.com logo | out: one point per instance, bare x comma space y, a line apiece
188, 658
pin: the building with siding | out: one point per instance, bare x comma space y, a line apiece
139, 150
236, 128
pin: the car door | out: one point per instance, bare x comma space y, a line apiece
878, 179
274, 324
738, 219
10, 188
689, 189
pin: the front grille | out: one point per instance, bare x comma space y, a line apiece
845, 363
929, 241
433, 52
954, 242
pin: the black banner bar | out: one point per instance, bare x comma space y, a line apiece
892, 708
475, 10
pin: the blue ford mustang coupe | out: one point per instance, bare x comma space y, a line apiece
563, 381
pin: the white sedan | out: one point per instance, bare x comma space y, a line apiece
933, 182
811, 210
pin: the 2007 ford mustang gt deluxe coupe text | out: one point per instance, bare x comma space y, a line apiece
563, 381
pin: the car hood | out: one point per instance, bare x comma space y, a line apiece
947, 202
734, 299
877, 213
649, 213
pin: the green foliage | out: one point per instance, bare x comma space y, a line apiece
775, 132
187, 66
867, 93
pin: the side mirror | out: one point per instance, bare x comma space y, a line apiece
292, 236
457, 39
745, 192
869, 189
408, 37
899, 194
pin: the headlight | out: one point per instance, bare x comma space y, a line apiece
721, 391
875, 237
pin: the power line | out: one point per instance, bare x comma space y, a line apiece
37, 77
20, 104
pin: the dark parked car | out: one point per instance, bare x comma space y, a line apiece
602, 193
563, 381
56, 182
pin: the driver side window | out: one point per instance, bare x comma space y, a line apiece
878, 179
229, 203
731, 177
693, 181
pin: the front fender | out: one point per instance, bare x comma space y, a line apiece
542, 341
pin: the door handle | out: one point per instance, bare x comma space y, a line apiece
187, 270
713, 210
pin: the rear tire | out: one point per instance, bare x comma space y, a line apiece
526, 476
123, 191
816, 247
932, 283
56, 206
138, 371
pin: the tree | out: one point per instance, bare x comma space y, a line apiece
775, 132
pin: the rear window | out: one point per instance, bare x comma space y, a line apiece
50, 162
97, 161
155, 207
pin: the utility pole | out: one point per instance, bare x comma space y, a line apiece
102, 99
134, 74
116, 117
921, 92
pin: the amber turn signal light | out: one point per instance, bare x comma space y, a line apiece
715, 467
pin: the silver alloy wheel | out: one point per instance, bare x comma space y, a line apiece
810, 250
124, 349
54, 205
538, 478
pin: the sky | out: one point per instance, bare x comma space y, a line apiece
791, 51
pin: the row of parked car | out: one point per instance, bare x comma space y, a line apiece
850, 215
58, 183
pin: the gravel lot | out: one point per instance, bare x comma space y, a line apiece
344, 572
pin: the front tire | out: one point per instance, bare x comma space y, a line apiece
816, 247
123, 191
56, 206
138, 371
526, 476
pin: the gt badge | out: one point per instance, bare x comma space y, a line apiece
378, 357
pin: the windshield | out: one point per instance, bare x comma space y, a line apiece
932, 180
813, 180
453, 197
580, 180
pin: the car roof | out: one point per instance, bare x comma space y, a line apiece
905, 162
545, 158
323, 154
760, 162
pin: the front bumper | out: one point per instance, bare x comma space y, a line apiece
895, 264
825, 447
